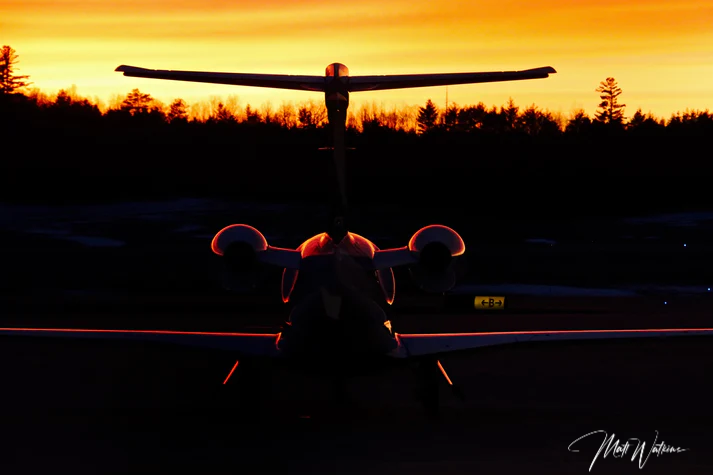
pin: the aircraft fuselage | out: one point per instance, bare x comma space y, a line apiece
338, 295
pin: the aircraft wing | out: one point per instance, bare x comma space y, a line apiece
280, 81
411, 345
377, 83
249, 344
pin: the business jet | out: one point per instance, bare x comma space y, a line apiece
339, 283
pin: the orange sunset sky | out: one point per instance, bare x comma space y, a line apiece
660, 51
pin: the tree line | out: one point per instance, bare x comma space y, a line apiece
508, 118
427, 119
137, 143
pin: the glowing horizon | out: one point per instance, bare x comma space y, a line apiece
659, 51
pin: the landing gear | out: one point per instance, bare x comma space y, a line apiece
433, 375
430, 388
248, 387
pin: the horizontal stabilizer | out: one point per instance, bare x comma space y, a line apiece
430, 344
280, 81
378, 83
277, 256
249, 344
385, 258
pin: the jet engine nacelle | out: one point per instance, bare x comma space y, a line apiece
436, 248
239, 245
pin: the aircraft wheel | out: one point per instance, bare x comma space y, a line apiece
430, 387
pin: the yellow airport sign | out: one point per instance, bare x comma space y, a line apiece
486, 302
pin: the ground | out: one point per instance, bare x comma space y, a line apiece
107, 407
111, 408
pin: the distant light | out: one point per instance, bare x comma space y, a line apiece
684, 245
709, 289
665, 303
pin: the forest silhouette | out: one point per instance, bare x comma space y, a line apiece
65, 147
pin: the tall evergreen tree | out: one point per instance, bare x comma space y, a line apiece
510, 114
610, 111
9, 82
427, 117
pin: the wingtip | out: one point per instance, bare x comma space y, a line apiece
545, 70
126, 69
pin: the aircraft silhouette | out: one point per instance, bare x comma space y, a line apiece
340, 282
336, 84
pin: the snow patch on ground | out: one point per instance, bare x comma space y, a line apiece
188, 228
93, 241
551, 242
546, 290
64, 234
566, 291
691, 219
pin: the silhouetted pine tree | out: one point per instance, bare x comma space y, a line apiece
137, 102
450, 117
222, 115
579, 124
535, 122
9, 82
644, 124
510, 114
177, 111
610, 111
471, 118
427, 117
252, 116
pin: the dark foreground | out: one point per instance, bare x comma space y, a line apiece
109, 407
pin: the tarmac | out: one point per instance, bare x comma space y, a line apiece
116, 407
